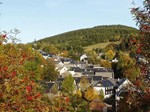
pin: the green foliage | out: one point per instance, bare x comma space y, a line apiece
84, 84
131, 73
74, 55
101, 95
49, 72
79, 104
139, 100
100, 46
125, 60
68, 84
54, 89
105, 63
78, 39
92, 57
18, 88
112, 46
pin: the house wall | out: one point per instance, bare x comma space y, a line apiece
108, 92
64, 69
100, 88
104, 90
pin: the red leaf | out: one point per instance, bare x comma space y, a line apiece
38, 95
5, 68
139, 50
14, 73
28, 88
29, 98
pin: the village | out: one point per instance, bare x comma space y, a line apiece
100, 79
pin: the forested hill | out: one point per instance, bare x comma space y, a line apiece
90, 36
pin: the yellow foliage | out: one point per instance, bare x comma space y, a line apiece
110, 54
105, 64
91, 94
78, 93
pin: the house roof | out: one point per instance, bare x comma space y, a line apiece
103, 83
88, 73
50, 85
120, 81
77, 69
44, 54
60, 79
97, 78
107, 83
97, 105
77, 79
102, 70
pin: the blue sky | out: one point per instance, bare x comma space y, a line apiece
37, 19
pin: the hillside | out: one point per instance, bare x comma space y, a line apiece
90, 36
98, 45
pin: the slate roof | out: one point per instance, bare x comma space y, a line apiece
102, 70
103, 83
90, 66
77, 79
77, 69
50, 85
97, 78
107, 83
88, 73
60, 79
121, 81
44, 54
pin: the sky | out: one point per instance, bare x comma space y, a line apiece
37, 19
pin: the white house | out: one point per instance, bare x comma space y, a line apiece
60, 64
83, 57
106, 85
62, 70
123, 83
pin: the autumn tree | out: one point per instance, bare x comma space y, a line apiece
131, 73
101, 95
68, 84
110, 54
125, 60
18, 88
92, 57
105, 63
49, 48
79, 104
54, 88
91, 94
84, 84
49, 72
139, 99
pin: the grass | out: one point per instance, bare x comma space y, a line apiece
99, 45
